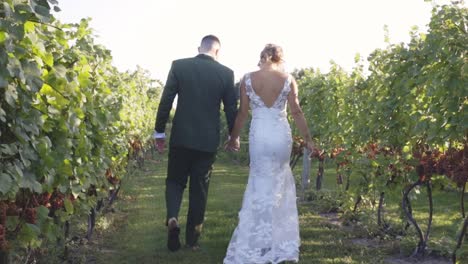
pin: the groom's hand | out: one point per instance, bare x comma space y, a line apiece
160, 144
233, 144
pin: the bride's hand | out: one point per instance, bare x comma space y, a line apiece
313, 150
232, 144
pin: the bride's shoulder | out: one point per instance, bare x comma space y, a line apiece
247, 76
285, 76
259, 75
251, 73
291, 77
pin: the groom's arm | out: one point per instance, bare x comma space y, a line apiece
230, 102
165, 105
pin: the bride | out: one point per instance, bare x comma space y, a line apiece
268, 229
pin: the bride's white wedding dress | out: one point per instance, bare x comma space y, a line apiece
268, 229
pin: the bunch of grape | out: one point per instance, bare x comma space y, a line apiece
44, 199
34, 202
56, 201
30, 215
12, 209
427, 164
319, 154
3, 242
3, 213
454, 164
335, 152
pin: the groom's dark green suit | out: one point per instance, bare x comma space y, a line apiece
201, 84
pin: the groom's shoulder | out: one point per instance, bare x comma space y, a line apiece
182, 61
225, 68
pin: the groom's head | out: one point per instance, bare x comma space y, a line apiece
210, 44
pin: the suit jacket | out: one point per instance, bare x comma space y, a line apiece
201, 84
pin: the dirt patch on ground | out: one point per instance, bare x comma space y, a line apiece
366, 242
333, 218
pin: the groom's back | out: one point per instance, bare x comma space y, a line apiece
202, 84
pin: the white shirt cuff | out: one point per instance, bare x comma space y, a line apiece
159, 135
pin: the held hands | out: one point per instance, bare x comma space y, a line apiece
310, 146
313, 150
233, 144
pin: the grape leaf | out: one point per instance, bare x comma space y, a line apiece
5, 183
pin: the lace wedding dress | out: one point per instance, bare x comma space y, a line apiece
268, 229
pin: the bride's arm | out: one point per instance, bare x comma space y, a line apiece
298, 115
242, 114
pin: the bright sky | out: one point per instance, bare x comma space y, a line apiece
152, 33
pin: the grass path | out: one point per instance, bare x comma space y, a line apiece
135, 233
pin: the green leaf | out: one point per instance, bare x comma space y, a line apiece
32, 74
2, 116
12, 222
42, 146
61, 71
42, 212
49, 59
29, 235
11, 95
5, 183
68, 206
76, 191
29, 26
29, 181
66, 168
8, 149
17, 32
406, 149
35, 83
3, 82
3, 36
42, 10
6, 9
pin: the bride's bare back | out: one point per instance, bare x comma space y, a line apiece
268, 84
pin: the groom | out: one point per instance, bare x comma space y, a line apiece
201, 84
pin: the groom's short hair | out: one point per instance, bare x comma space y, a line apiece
209, 41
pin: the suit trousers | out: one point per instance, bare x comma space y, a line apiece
183, 164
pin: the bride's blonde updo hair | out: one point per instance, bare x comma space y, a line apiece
272, 53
